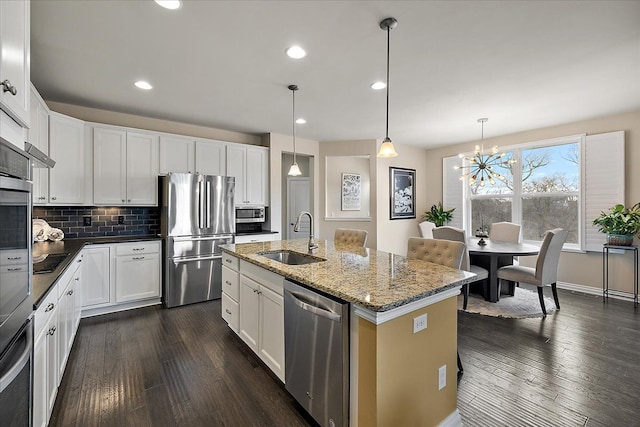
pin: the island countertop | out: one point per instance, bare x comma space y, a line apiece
376, 280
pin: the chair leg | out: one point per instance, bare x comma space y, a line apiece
555, 295
541, 296
460, 368
465, 293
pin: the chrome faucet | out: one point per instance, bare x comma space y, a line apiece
296, 228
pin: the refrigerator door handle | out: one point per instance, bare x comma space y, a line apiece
200, 204
204, 258
208, 204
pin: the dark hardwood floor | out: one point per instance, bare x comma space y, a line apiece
157, 367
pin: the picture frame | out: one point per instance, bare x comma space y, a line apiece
402, 192
351, 191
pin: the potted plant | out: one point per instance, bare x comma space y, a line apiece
620, 224
438, 215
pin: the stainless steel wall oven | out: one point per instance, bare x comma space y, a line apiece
16, 305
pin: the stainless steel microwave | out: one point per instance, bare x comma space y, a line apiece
250, 214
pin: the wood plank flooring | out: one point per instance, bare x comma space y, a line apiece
184, 367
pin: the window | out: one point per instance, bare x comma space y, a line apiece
563, 182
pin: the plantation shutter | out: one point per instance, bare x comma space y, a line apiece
452, 190
604, 181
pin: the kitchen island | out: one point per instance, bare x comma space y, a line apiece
394, 372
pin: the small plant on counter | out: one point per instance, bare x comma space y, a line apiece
620, 224
438, 215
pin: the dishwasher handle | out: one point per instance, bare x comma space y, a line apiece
310, 307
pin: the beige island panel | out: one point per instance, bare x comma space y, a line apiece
394, 372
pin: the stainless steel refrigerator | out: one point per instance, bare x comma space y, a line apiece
197, 217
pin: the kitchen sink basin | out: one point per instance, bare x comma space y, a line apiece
291, 257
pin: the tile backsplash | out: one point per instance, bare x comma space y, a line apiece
104, 220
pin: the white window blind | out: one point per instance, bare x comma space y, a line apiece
604, 181
452, 190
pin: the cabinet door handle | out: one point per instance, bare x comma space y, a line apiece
122, 200
138, 249
227, 260
14, 269
54, 198
138, 257
77, 279
70, 292
129, 200
227, 310
52, 330
227, 282
49, 307
13, 258
8, 87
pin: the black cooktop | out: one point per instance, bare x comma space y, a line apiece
48, 264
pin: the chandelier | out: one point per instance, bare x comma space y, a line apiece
482, 167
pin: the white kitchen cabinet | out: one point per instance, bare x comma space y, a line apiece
45, 352
250, 167
69, 285
38, 136
15, 76
210, 157
96, 266
253, 238
261, 320
67, 148
177, 154
231, 292
125, 167
137, 277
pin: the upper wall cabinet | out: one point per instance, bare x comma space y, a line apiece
15, 74
250, 166
210, 157
67, 147
38, 135
176, 154
125, 167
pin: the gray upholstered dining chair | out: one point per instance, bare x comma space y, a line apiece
505, 232
438, 251
426, 229
546, 270
457, 234
350, 237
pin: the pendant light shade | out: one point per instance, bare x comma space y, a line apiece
387, 149
294, 170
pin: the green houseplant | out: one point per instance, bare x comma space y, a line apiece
438, 215
620, 224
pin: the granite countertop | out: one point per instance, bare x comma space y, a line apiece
43, 282
376, 280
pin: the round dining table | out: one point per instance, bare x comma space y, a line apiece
496, 254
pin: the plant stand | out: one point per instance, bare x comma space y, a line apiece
605, 270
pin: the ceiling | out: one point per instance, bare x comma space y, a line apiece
222, 64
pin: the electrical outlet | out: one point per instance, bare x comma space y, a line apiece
120, 219
86, 220
442, 377
419, 323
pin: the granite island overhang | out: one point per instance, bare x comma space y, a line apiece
394, 376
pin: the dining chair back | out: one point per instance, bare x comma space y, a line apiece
350, 237
505, 232
426, 229
458, 235
444, 252
546, 270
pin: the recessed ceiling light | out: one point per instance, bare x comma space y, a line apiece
296, 52
170, 4
378, 85
141, 84
301, 121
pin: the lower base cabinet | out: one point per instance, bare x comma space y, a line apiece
137, 277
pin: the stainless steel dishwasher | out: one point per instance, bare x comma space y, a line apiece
316, 342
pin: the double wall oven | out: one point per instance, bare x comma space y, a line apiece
16, 305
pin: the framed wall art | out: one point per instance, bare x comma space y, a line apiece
403, 193
351, 190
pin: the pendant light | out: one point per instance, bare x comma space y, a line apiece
294, 170
481, 165
386, 149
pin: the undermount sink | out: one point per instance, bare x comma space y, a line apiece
291, 257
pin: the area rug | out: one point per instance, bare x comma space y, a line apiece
523, 305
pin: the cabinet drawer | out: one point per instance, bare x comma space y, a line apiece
230, 312
14, 256
230, 282
230, 261
138, 248
68, 274
45, 310
253, 238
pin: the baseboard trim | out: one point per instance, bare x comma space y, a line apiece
90, 312
590, 290
453, 420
